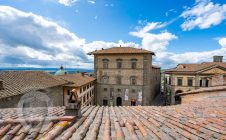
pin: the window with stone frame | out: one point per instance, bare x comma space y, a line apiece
119, 89
179, 81
84, 99
190, 82
119, 63
204, 82
119, 80
105, 63
133, 63
133, 80
105, 79
105, 89
84, 88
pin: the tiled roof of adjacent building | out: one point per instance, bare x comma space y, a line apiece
207, 89
77, 79
121, 50
194, 68
197, 120
19, 82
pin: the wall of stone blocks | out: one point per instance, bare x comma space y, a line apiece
55, 95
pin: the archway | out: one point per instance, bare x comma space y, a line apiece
119, 101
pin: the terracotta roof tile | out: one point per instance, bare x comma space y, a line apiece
20, 82
77, 80
198, 120
193, 68
121, 50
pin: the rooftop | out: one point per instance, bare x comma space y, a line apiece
195, 68
197, 120
77, 80
19, 82
207, 89
121, 50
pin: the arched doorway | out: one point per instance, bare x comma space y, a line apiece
119, 101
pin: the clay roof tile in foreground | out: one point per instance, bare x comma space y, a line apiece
197, 120
121, 50
20, 82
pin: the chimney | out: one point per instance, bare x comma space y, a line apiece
83, 74
1, 85
73, 108
217, 58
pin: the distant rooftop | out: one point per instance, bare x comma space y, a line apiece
77, 79
20, 82
121, 50
195, 68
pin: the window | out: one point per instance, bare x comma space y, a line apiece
84, 88
105, 102
204, 83
119, 63
133, 80
133, 63
80, 90
105, 89
179, 81
119, 80
119, 90
133, 91
84, 99
169, 80
105, 63
190, 82
105, 79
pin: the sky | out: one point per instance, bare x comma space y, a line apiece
51, 33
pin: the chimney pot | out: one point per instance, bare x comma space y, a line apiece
217, 58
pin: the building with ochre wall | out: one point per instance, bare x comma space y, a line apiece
125, 76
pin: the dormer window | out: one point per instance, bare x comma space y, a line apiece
105, 63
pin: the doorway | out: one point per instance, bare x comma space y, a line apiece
133, 102
105, 102
119, 101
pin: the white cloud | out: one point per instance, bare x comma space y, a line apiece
95, 17
98, 45
154, 42
203, 15
158, 42
67, 2
222, 42
170, 59
27, 38
91, 1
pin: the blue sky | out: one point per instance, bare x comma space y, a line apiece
49, 33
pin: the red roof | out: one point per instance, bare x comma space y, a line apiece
121, 50
197, 120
